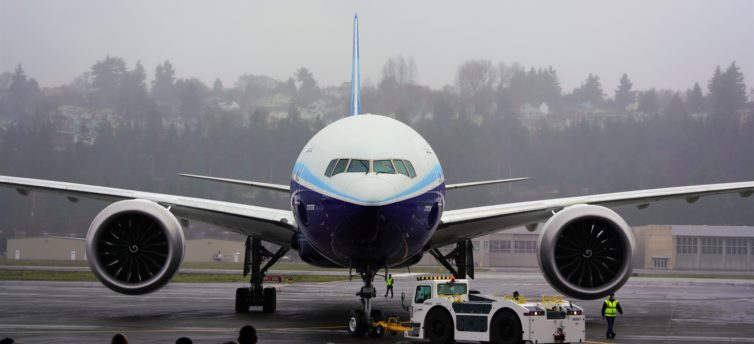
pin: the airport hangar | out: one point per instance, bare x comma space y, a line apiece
658, 247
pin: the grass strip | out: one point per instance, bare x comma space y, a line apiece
224, 265
76, 276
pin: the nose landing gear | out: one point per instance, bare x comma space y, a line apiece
359, 324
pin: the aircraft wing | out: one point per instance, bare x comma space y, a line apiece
468, 223
268, 186
486, 182
273, 225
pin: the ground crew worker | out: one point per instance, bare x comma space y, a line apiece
389, 281
610, 309
515, 296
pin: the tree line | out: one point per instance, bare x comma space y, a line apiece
111, 127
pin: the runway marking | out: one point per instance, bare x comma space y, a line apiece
691, 338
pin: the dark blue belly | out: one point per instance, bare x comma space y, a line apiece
360, 236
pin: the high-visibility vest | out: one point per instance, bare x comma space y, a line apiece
611, 308
389, 281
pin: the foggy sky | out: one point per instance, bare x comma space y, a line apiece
662, 44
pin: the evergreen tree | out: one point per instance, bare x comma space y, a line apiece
675, 108
107, 77
18, 94
590, 92
163, 85
648, 102
549, 84
624, 96
695, 99
727, 91
217, 88
308, 91
133, 98
192, 100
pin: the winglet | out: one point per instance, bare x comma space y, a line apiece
355, 77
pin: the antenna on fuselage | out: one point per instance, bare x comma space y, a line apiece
355, 77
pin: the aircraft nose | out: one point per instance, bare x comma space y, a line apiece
371, 189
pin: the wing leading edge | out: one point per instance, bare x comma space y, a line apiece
468, 223
273, 225
269, 186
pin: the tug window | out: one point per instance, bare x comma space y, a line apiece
423, 292
330, 167
383, 166
340, 167
400, 167
359, 166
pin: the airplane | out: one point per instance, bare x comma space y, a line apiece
367, 193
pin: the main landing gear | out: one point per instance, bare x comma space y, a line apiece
360, 321
256, 295
462, 257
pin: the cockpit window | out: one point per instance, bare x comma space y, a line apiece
410, 167
383, 166
340, 167
400, 167
390, 166
359, 166
330, 166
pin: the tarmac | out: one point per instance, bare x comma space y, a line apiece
657, 310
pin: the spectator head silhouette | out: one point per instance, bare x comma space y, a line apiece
119, 339
184, 340
247, 335
7, 341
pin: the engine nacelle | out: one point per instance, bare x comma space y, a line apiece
585, 251
135, 246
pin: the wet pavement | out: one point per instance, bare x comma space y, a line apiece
657, 310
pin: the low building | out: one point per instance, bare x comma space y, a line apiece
515, 247
46, 248
681, 247
64, 248
207, 250
660, 247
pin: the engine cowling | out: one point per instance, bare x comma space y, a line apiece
135, 246
585, 251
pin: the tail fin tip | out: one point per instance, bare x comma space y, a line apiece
355, 76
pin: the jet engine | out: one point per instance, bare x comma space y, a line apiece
585, 251
135, 246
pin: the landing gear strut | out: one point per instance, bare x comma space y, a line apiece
256, 295
462, 257
360, 320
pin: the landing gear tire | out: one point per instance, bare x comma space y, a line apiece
505, 328
269, 300
242, 305
438, 327
376, 331
357, 324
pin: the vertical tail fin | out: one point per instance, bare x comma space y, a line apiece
355, 77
